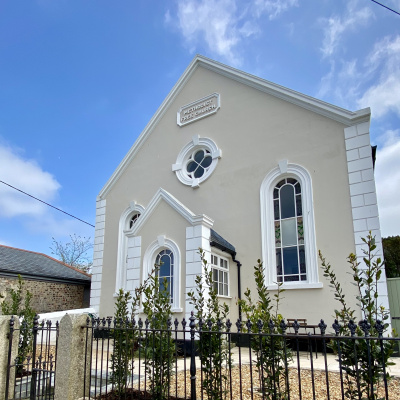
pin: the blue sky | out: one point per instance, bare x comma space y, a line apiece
80, 79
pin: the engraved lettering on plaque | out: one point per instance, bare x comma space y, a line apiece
198, 109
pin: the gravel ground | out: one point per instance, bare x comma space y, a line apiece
242, 388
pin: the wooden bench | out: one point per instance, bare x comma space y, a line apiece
303, 325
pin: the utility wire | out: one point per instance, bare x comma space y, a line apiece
390, 9
47, 204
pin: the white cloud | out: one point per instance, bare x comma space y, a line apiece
220, 25
273, 7
336, 26
387, 177
384, 63
25, 175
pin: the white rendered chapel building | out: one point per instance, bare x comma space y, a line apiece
244, 169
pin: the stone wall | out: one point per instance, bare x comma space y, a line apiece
48, 296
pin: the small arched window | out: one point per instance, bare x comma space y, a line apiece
289, 231
165, 261
133, 220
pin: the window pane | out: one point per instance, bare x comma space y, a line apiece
287, 201
291, 180
199, 172
276, 193
299, 209
297, 188
280, 183
290, 261
165, 268
206, 162
289, 232
276, 209
221, 276
278, 262
302, 260
225, 290
300, 230
191, 166
277, 234
199, 156
292, 278
215, 275
215, 286
221, 289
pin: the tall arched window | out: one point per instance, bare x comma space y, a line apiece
165, 260
289, 231
287, 228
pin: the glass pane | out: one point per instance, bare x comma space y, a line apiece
281, 183
292, 278
303, 277
221, 276
300, 230
165, 268
278, 262
279, 279
291, 180
225, 290
199, 156
199, 172
215, 286
225, 278
165, 285
276, 209
290, 261
277, 234
206, 162
297, 188
215, 275
276, 193
287, 201
299, 209
191, 166
221, 289
302, 260
289, 232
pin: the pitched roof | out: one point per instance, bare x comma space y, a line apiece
38, 266
346, 117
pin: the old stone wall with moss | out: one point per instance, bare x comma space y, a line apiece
47, 296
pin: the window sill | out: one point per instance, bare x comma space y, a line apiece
224, 297
293, 286
173, 310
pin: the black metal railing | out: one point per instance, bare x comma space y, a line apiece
34, 368
132, 359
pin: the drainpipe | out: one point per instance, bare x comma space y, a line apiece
239, 264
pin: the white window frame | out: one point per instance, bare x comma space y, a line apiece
123, 232
219, 268
197, 143
149, 260
287, 170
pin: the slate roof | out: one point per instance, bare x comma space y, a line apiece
219, 242
38, 266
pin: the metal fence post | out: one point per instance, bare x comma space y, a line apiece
34, 370
192, 326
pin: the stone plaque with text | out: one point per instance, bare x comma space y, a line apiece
199, 109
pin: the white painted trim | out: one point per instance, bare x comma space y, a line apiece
364, 205
197, 143
149, 260
123, 233
97, 268
320, 107
268, 231
163, 195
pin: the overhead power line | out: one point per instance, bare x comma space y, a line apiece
390, 9
47, 204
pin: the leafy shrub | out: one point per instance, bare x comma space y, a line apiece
20, 305
271, 351
212, 349
363, 361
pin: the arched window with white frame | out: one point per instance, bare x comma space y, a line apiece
287, 228
165, 253
127, 223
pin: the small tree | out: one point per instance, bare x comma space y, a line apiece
20, 305
271, 351
158, 345
391, 252
212, 317
363, 361
76, 252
